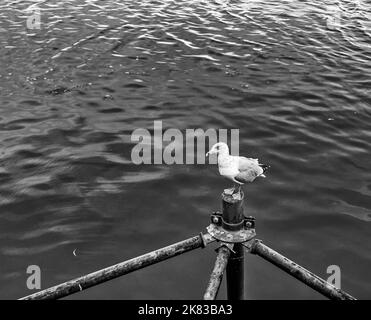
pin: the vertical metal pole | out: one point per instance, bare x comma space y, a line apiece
233, 221
235, 274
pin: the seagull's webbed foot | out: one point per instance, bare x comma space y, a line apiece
229, 191
236, 196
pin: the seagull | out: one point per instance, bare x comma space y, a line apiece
238, 169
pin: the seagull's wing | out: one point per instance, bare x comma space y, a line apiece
248, 169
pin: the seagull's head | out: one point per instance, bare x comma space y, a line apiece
218, 148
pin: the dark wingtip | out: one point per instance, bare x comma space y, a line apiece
264, 167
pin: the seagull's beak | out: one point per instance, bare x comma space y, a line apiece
207, 154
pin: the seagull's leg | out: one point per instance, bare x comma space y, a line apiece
239, 188
229, 191
237, 191
235, 187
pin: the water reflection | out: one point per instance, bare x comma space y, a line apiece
73, 91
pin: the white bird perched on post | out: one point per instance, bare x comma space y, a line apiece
238, 169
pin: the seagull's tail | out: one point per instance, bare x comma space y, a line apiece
265, 168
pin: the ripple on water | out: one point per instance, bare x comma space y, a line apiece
292, 76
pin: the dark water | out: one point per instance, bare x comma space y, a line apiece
71, 93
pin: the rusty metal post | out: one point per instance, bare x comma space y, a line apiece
109, 273
233, 220
217, 274
300, 273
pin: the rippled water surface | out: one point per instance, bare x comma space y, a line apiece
293, 76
